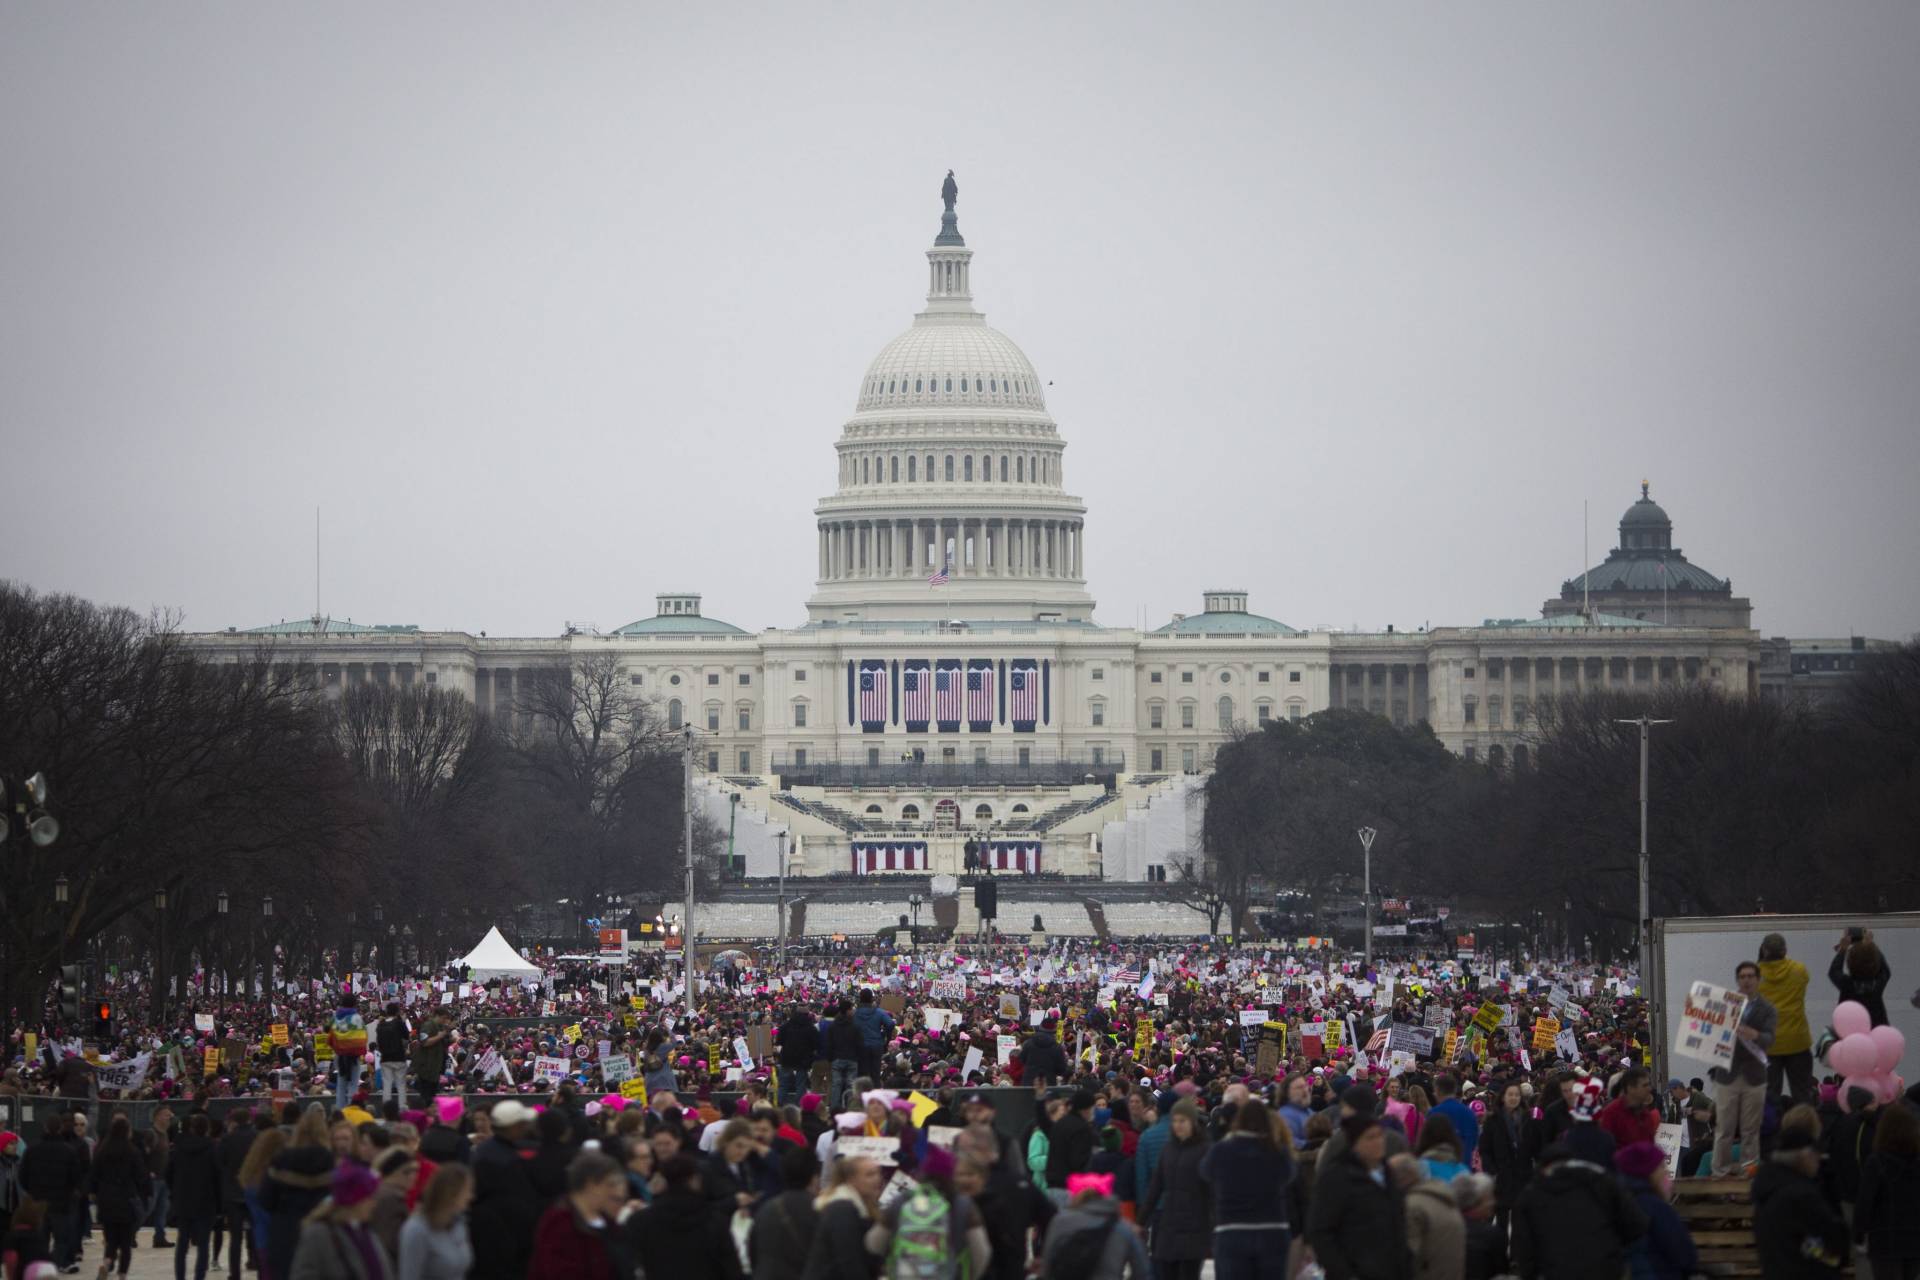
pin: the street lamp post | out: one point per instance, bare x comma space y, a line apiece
1645, 724
914, 901
1367, 835
379, 918
266, 921
780, 838
160, 960
220, 909
686, 839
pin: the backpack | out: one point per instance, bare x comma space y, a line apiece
923, 1238
1079, 1255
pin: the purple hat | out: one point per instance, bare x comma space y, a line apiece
352, 1183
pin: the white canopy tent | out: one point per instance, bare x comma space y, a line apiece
496, 958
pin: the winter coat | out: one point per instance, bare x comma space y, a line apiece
1486, 1249
1799, 1236
193, 1179
547, 1170
1871, 992
298, 1179
120, 1184
1667, 1251
676, 1236
444, 1144
1887, 1214
1628, 1125
229, 1154
782, 1234
1574, 1222
839, 1248
1123, 1248
1357, 1224
1043, 1059
1783, 984
1069, 1147
1466, 1125
799, 1043
52, 1170
426, 1254
1182, 1219
1848, 1147
875, 1025
566, 1247
1146, 1155
1436, 1233
1506, 1157
1011, 1206
506, 1210
333, 1251
844, 1042
1249, 1179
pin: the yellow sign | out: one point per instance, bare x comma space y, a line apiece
1142, 1036
33, 1045
1488, 1018
923, 1106
637, 1002
1332, 1038
212, 1062
280, 1037
1453, 1043
1544, 1030
322, 1049
634, 1090
628, 1019
572, 1034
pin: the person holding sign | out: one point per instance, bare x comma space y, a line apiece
1743, 1085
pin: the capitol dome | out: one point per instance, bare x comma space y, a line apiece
950, 463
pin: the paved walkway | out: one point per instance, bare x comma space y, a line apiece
148, 1263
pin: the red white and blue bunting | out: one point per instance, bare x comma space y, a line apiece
898, 855
1015, 855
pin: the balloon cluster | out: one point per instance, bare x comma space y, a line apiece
1865, 1055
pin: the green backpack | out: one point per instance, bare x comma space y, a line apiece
923, 1239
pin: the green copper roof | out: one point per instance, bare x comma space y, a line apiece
1570, 620
1226, 624
329, 626
679, 624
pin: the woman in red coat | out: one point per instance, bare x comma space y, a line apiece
579, 1237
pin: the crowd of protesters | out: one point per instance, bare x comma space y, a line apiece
1273, 1111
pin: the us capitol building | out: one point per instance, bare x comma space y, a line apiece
908, 715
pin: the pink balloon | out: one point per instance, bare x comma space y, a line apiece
1889, 1091
1847, 1084
1851, 1018
1888, 1045
1854, 1056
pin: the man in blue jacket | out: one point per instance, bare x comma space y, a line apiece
876, 1027
1458, 1113
1146, 1153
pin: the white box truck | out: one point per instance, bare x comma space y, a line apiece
1708, 948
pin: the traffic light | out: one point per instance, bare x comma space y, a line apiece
70, 998
103, 1020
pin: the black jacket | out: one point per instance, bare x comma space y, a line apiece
1069, 1146
1505, 1157
782, 1234
1574, 1222
194, 1179
839, 1249
444, 1144
1848, 1147
506, 1210
676, 1236
1358, 1226
1799, 1236
1249, 1180
1042, 1058
1871, 992
229, 1154
1011, 1206
52, 1170
119, 1181
799, 1043
1182, 1202
844, 1043
1887, 1214
298, 1179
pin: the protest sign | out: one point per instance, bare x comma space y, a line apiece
943, 1136
549, 1070
1437, 1016
1452, 1044
634, 1089
1009, 1005
279, 1032
123, 1075
212, 1061
923, 1106
879, 1150
1708, 1019
1142, 1036
616, 1067
202, 1022
971, 1063
1544, 1032
1415, 1042
954, 989
1672, 1140
1489, 1017
1567, 1045
940, 1019
742, 1054
1252, 1017
1004, 1046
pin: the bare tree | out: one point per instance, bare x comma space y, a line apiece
1194, 885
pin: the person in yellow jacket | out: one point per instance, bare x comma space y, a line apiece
1783, 983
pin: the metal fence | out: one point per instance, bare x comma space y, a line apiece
950, 773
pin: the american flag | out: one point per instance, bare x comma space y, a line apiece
946, 695
1024, 703
1129, 976
980, 695
913, 695
873, 696
938, 578
1377, 1042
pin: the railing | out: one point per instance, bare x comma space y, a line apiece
951, 773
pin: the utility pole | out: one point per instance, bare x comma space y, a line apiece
686, 837
781, 838
1367, 835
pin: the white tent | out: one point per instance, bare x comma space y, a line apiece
496, 958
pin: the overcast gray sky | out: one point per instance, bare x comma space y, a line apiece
551, 307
